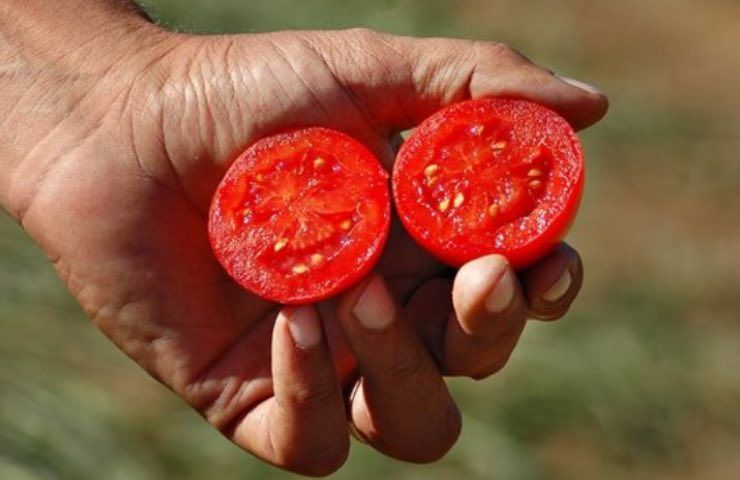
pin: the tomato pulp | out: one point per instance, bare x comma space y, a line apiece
301, 216
489, 176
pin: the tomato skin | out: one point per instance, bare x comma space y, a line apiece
482, 155
291, 198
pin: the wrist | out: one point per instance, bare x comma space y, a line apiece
53, 56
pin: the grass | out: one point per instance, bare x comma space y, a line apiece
639, 382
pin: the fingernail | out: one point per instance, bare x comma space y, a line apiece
304, 327
375, 309
559, 288
581, 85
503, 293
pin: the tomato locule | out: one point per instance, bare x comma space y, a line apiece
489, 176
301, 215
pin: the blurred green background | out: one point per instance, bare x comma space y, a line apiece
640, 381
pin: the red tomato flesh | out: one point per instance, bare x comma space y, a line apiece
489, 176
301, 216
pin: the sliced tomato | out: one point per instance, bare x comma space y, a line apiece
489, 176
301, 216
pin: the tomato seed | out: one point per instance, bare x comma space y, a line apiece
459, 199
300, 269
534, 173
493, 210
535, 184
280, 244
500, 145
317, 259
346, 225
444, 205
534, 155
319, 163
431, 170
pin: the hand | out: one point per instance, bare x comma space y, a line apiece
116, 191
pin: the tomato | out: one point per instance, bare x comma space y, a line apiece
301, 215
489, 176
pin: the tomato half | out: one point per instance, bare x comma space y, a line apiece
301, 216
489, 176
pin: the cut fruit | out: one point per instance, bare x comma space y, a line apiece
301, 216
489, 176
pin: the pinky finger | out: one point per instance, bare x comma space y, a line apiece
552, 285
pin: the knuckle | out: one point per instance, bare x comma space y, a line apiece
497, 50
409, 366
462, 362
466, 367
317, 395
500, 54
481, 356
363, 34
493, 367
437, 446
484, 328
496, 330
315, 463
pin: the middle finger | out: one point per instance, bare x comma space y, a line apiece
402, 406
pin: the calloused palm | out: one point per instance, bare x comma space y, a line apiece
121, 188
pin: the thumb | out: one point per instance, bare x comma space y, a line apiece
399, 81
219, 94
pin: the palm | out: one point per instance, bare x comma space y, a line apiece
141, 263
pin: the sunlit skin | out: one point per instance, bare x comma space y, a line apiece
113, 140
